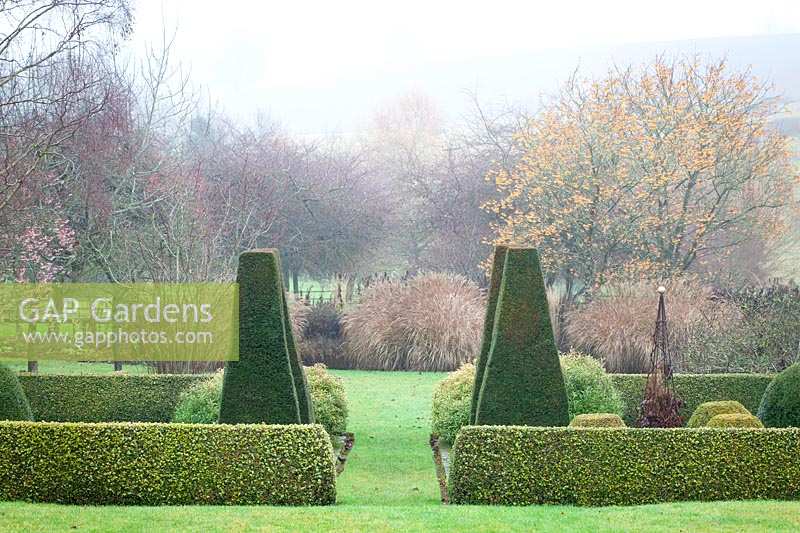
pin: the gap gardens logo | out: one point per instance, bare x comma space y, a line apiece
109, 322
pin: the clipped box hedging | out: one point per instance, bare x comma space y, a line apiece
735, 420
515, 465
158, 464
708, 410
106, 398
695, 389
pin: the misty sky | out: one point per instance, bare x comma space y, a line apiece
321, 66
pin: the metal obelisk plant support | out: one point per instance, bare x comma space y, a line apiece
660, 406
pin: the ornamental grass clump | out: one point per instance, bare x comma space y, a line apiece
616, 324
429, 323
708, 410
299, 315
323, 320
323, 337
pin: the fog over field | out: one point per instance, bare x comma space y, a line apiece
324, 68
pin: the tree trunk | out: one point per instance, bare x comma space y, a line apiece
33, 366
296, 282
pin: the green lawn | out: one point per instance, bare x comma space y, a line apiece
389, 484
73, 367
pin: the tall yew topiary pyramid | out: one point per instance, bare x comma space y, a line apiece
498, 262
260, 386
522, 382
13, 402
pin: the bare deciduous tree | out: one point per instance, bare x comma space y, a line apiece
50, 86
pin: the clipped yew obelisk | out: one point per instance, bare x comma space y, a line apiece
300, 383
498, 262
260, 386
522, 381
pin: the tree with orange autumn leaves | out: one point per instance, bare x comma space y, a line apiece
648, 172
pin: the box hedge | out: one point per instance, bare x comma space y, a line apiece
328, 398
449, 414
590, 389
695, 389
522, 381
165, 464
735, 420
708, 410
260, 386
450, 408
107, 397
516, 465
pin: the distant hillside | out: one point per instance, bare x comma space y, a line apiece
521, 78
525, 77
788, 125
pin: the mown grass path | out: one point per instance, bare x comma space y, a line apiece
389, 485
